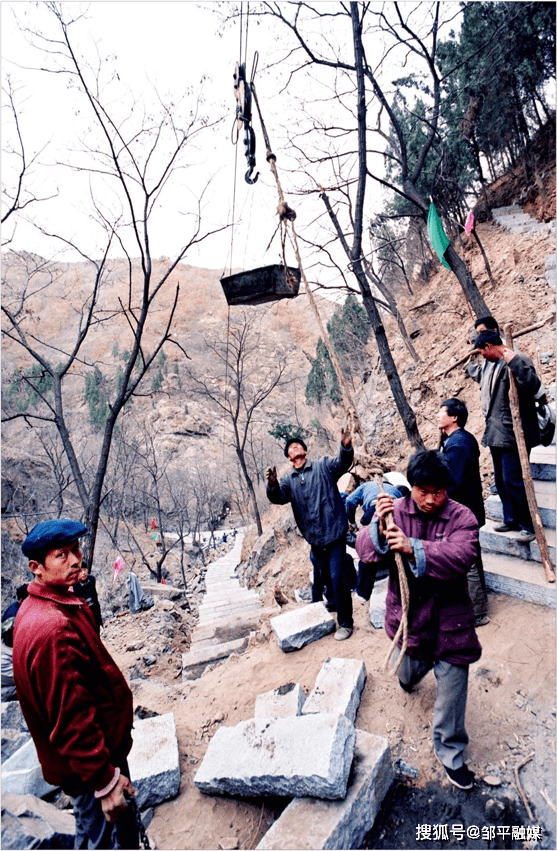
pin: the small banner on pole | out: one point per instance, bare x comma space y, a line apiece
119, 565
437, 235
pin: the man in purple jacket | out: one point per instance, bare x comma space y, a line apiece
438, 539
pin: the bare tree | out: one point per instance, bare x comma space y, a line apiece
135, 155
238, 386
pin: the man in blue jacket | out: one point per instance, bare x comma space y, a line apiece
319, 512
462, 453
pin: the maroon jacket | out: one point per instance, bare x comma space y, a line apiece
441, 617
75, 700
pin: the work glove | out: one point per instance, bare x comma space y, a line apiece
271, 476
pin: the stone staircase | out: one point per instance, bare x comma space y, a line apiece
228, 614
515, 220
511, 566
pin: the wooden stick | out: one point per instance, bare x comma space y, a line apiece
523, 797
477, 351
404, 597
526, 471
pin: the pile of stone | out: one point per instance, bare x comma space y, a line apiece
29, 822
308, 750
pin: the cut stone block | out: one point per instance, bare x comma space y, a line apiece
378, 609
11, 742
297, 756
154, 760
338, 688
310, 824
299, 627
40, 825
282, 702
524, 580
542, 462
22, 773
12, 716
195, 661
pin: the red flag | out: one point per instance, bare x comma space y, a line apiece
153, 523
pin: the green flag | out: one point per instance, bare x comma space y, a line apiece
437, 235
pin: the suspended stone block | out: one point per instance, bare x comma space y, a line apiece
299, 627
259, 286
296, 756
338, 688
307, 823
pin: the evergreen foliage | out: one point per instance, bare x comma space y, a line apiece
96, 400
349, 332
25, 389
283, 431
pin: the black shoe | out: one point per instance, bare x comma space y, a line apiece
406, 688
461, 777
506, 527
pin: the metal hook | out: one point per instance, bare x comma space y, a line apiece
248, 174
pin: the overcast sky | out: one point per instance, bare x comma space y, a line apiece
170, 47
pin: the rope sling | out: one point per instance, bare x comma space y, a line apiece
374, 466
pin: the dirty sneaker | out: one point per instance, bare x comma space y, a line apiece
526, 536
343, 632
461, 777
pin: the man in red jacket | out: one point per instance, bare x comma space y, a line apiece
75, 700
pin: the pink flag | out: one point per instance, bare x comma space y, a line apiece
469, 226
119, 565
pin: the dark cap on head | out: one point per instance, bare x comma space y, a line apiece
51, 534
292, 440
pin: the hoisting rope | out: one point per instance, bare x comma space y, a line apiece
373, 465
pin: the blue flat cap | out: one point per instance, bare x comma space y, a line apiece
51, 534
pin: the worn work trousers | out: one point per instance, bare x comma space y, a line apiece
329, 569
92, 829
449, 711
510, 487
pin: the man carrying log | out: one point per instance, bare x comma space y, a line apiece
438, 539
320, 514
499, 433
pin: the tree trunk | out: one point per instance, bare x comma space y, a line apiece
467, 283
251, 490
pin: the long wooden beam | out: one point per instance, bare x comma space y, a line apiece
519, 333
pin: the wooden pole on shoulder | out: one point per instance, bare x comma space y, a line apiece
526, 471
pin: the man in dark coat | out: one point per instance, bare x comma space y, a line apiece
438, 541
76, 702
462, 452
86, 588
499, 432
320, 514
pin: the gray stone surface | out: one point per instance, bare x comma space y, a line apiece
310, 824
22, 773
196, 661
38, 822
282, 702
154, 760
12, 740
338, 688
378, 609
524, 580
12, 716
299, 627
296, 756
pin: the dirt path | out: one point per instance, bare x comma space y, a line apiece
511, 713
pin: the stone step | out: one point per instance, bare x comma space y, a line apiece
524, 580
225, 629
195, 661
542, 462
228, 606
546, 506
508, 543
